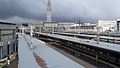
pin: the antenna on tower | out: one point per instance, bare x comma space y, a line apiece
49, 11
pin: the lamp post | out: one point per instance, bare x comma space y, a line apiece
23, 30
31, 31
53, 29
31, 35
8, 58
98, 34
40, 28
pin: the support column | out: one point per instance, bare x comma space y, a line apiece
0, 46
20, 30
98, 34
8, 49
16, 44
53, 29
0, 52
31, 31
0, 35
40, 29
11, 48
23, 30
14, 47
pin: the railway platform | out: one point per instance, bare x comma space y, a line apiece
34, 53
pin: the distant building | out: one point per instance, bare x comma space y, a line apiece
49, 26
8, 39
56, 26
84, 28
107, 25
65, 26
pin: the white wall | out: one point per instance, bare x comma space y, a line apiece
107, 25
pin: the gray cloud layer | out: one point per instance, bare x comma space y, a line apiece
69, 10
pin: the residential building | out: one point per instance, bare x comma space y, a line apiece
107, 25
84, 28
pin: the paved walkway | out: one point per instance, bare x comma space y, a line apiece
48, 56
26, 58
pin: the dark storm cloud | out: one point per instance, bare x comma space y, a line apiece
69, 10
21, 8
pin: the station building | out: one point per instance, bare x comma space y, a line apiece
8, 39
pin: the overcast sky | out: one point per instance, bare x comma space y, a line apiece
62, 10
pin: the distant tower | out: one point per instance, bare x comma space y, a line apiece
49, 11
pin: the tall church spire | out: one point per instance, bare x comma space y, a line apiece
49, 11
